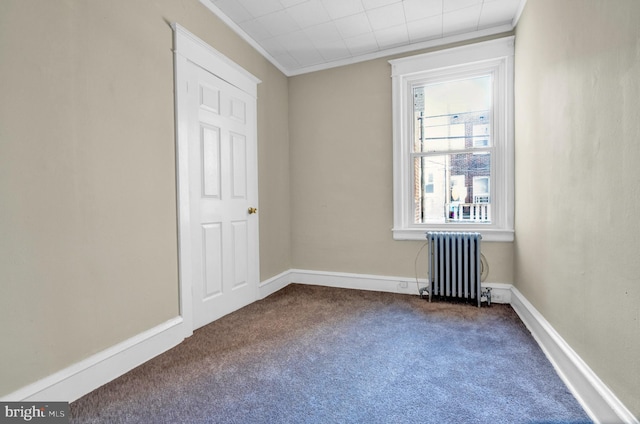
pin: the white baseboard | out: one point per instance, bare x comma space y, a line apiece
83, 377
77, 380
87, 375
344, 280
73, 382
274, 284
500, 292
596, 398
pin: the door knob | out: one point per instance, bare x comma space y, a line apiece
253, 210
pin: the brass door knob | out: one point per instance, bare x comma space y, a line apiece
253, 210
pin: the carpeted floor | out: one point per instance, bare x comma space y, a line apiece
310, 354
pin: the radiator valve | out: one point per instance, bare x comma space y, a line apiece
422, 290
485, 296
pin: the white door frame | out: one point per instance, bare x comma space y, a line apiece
189, 48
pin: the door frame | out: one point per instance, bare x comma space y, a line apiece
189, 48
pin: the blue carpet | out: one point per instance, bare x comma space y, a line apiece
311, 354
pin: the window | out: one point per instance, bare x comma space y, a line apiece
453, 141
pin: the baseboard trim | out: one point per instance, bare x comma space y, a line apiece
501, 293
404, 285
596, 398
274, 284
75, 381
83, 377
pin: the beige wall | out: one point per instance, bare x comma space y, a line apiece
341, 177
578, 179
88, 247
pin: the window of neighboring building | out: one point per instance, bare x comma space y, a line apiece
453, 141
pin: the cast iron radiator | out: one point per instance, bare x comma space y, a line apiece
455, 266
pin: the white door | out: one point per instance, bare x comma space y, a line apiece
223, 195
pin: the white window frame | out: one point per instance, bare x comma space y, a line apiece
494, 56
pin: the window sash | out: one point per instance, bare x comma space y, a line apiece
418, 200
496, 57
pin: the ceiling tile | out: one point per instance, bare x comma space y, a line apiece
353, 25
373, 4
420, 9
362, 44
285, 59
341, 8
334, 50
392, 37
309, 13
301, 48
387, 16
498, 12
300, 35
323, 33
289, 3
295, 41
451, 5
279, 22
274, 47
425, 29
259, 8
256, 30
234, 10
461, 21
308, 57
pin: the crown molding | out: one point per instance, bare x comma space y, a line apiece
436, 42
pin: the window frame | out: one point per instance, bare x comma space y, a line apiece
494, 56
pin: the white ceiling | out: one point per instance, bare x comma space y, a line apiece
300, 36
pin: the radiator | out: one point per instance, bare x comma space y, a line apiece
455, 266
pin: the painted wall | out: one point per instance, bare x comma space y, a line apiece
577, 179
88, 231
342, 177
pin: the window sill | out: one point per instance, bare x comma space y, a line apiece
488, 234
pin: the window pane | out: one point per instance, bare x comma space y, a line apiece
452, 188
452, 115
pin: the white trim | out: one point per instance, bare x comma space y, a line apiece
182, 195
470, 53
389, 284
75, 381
596, 398
239, 31
81, 378
274, 284
406, 285
487, 234
500, 292
494, 56
189, 48
404, 49
356, 59
202, 54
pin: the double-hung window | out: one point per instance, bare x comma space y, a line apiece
453, 141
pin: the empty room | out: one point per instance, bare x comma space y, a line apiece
320, 211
